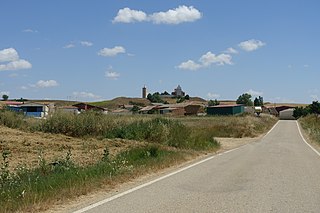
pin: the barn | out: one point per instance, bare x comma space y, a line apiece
225, 109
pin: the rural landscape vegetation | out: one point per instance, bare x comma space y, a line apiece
91, 101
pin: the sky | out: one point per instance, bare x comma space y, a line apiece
98, 50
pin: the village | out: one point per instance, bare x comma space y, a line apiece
178, 103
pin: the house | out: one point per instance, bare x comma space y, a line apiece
188, 108
35, 110
85, 106
225, 109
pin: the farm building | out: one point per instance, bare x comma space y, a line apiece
84, 106
35, 110
225, 110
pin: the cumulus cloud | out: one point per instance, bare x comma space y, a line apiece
108, 52
11, 61
230, 50
68, 46
86, 95
173, 16
45, 84
16, 65
126, 15
207, 60
254, 93
112, 75
7, 55
251, 45
86, 43
212, 95
29, 31
210, 58
189, 65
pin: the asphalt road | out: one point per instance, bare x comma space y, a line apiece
280, 173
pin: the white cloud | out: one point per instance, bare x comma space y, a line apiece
210, 58
86, 95
189, 65
16, 65
23, 88
254, 93
111, 51
45, 84
112, 75
13, 75
213, 95
230, 50
86, 43
206, 60
7, 55
68, 46
174, 16
126, 15
251, 45
29, 31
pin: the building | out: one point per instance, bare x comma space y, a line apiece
178, 92
144, 92
225, 110
84, 107
35, 110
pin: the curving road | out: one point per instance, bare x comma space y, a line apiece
280, 173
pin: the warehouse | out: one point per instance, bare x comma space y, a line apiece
225, 109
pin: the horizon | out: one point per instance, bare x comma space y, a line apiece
215, 50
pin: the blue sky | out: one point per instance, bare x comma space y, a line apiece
98, 50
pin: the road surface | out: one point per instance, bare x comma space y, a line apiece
280, 173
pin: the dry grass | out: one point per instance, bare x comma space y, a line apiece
25, 147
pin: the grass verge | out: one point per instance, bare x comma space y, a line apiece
311, 125
32, 190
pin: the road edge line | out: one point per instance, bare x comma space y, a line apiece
104, 201
304, 140
274, 126
99, 203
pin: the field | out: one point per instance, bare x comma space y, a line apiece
101, 150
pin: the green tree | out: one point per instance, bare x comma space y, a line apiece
187, 97
214, 102
155, 98
258, 101
245, 99
5, 97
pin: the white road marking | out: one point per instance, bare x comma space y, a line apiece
274, 126
158, 179
304, 140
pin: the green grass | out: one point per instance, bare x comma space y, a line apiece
231, 126
26, 188
311, 124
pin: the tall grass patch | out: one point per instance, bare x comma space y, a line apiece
311, 124
27, 188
